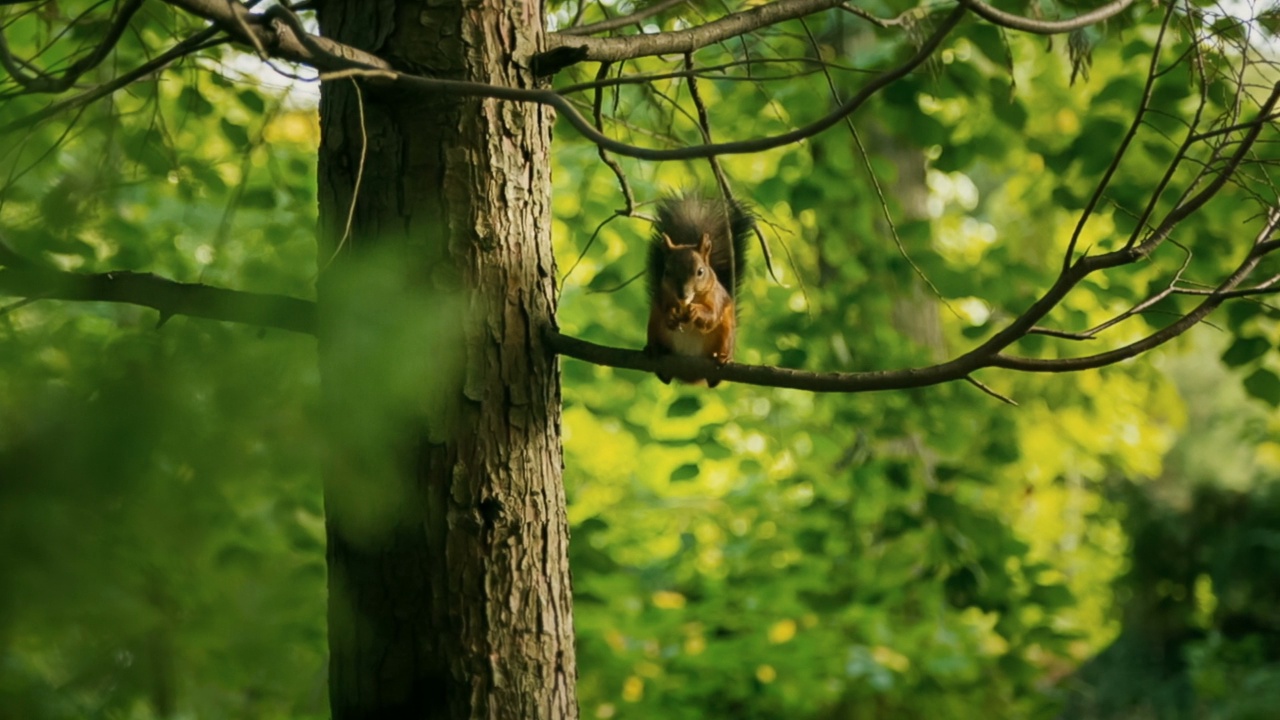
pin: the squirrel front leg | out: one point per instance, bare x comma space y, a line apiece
706, 317
721, 342
678, 315
722, 348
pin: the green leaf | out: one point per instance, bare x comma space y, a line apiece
1264, 385
685, 473
1051, 596
147, 148
1125, 91
1245, 349
684, 406
1241, 312
236, 134
990, 40
262, 197
1010, 111
252, 101
194, 102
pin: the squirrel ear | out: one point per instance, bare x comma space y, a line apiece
704, 247
666, 239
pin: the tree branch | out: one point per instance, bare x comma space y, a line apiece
199, 41
684, 41
989, 354
43, 82
278, 37
679, 365
289, 40
1045, 27
1114, 165
625, 20
582, 125
959, 368
1164, 335
279, 33
167, 296
716, 72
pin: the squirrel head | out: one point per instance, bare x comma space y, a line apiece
687, 271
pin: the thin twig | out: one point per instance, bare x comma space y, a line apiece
622, 21
987, 389
355, 190
1124, 143
44, 82
334, 66
1046, 27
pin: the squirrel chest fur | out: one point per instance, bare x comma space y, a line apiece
695, 265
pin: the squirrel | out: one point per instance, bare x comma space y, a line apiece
696, 263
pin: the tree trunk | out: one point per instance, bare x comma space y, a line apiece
448, 571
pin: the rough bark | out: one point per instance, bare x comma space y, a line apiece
449, 582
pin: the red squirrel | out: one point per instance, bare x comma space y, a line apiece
695, 267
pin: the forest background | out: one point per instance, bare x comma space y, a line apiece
1105, 548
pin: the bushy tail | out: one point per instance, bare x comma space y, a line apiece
686, 218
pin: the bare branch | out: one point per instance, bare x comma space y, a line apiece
877, 20
195, 43
625, 20
1186, 208
685, 41
287, 38
43, 82
1045, 27
280, 38
959, 368
169, 297
1124, 144
1164, 335
1077, 271
597, 115
1269, 289
716, 72
704, 127
990, 352
584, 126
685, 366
988, 390
1063, 334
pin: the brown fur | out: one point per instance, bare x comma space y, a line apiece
693, 314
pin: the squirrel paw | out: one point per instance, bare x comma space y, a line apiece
677, 316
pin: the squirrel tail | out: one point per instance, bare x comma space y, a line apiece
686, 218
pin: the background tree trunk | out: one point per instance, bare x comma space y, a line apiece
449, 583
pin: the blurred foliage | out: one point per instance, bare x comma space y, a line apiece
1200, 609
161, 525
744, 553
